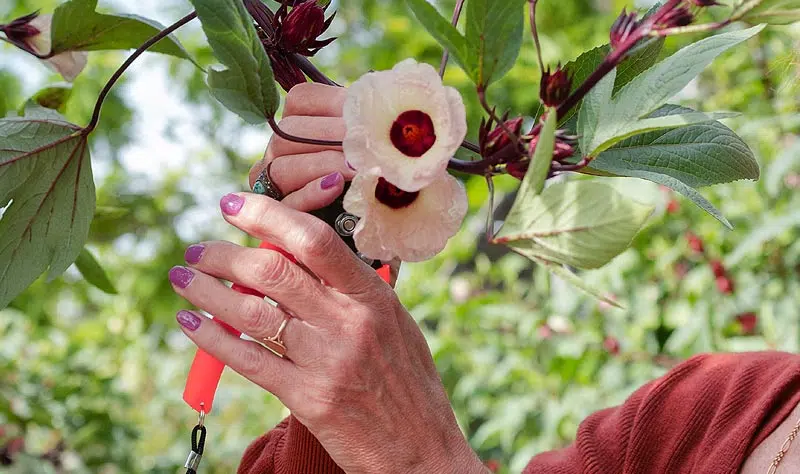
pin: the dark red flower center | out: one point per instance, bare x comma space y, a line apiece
412, 133
392, 196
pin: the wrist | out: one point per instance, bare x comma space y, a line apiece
458, 459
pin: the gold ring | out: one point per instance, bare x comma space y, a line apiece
275, 343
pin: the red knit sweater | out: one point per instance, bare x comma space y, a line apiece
704, 416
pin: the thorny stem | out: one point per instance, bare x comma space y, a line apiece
292, 138
121, 70
535, 33
446, 53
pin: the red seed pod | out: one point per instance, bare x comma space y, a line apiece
696, 244
555, 87
748, 322
622, 28
299, 29
671, 15
718, 268
286, 72
725, 285
705, 3
611, 345
673, 206
497, 140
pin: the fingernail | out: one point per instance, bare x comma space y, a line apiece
331, 180
180, 276
194, 253
231, 204
188, 320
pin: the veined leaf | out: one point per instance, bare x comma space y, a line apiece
247, 87
533, 184
648, 91
584, 224
494, 37
46, 174
78, 27
442, 30
93, 272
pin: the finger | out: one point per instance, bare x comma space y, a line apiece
292, 172
267, 272
311, 241
249, 314
315, 99
256, 363
316, 194
318, 128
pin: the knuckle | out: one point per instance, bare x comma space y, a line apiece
296, 98
270, 268
257, 316
365, 331
319, 240
251, 361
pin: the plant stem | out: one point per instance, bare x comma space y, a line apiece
490, 215
292, 138
446, 54
535, 33
311, 71
121, 70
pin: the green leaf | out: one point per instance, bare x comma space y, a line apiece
93, 272
442, 30
775, 12
45, 172
533, 184
592, 109
494, 37
247, 87
584, 224
639, 60
651, 89
52, 97
78, 27
567, 275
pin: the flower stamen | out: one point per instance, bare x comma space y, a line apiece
413, 133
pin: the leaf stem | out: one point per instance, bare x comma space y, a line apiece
121, 70
535, 33
309, 141
446, 54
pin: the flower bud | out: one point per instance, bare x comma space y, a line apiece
671, 15
611, 345
718, 269
725, 285
555, 87
286, 72
497, 140
705, 3
300, 28
622, 28
748, 322
696, 244
31, 33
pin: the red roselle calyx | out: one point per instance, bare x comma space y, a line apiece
622, 28
297, 30
19, 31
671, 15
555, 87
286, 72
562, 150
496, 145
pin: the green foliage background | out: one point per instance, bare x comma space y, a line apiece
95, 380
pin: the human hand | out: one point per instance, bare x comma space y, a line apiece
309, 176
357, 373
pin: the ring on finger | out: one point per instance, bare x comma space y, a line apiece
264, 185
275, 343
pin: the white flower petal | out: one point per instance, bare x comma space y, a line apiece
69, 64
413, 233
41, 42
373, 105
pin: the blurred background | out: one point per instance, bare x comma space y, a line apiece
91, 382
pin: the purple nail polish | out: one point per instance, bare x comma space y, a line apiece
180, 276
231, 204
331, 180
188, 320
194, 253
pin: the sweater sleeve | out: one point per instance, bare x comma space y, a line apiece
288, 449
706, 415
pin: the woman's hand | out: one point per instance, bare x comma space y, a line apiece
357, 373
309, 176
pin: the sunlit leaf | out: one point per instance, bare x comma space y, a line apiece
78, 27
494, 37
93, 272
52, 97
46, 174
442, 30
584, 224
247, 87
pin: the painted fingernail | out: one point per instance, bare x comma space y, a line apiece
180, 276
231, 204
194, 253
188, 320
331, 180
